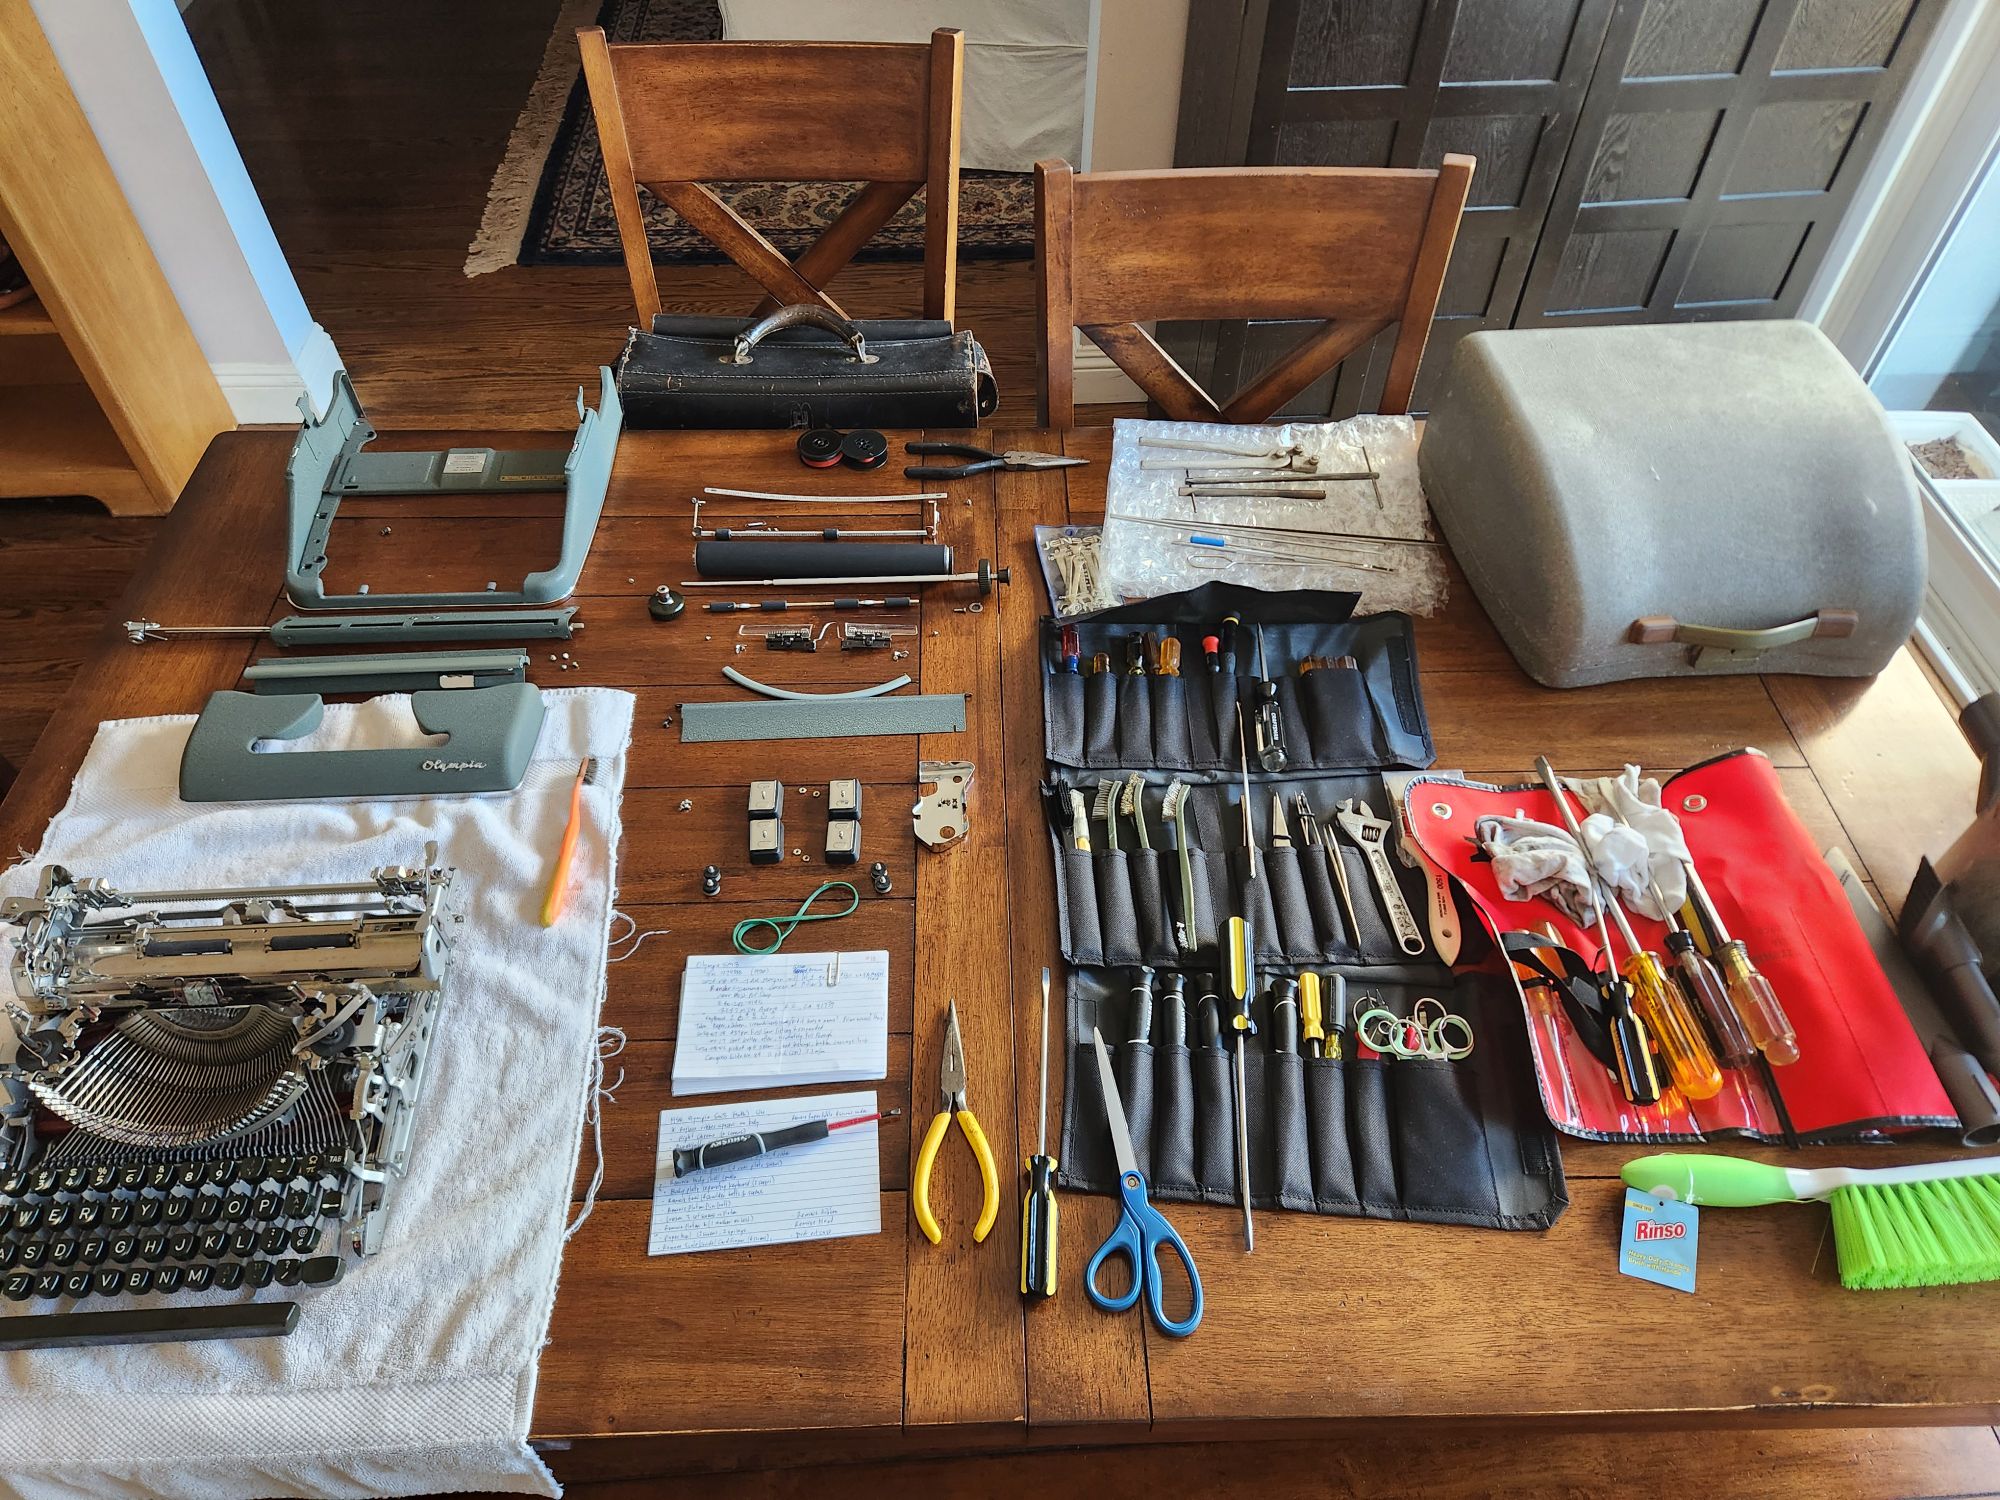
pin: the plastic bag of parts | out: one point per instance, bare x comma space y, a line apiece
1355, 520
1073, 570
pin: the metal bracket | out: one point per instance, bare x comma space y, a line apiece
328, 464
941, 816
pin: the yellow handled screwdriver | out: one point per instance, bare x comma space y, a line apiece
1170, 657
1240, 965
1038, 1209
1311, 1017
1751, 993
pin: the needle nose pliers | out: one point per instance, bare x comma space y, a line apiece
982, 460
951, 1102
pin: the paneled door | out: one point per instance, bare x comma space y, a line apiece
1639, 160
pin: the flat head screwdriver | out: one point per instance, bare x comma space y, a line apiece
1038, 1209
1751, 993
1240, 964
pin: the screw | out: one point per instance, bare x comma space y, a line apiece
878, 876
739, 648
957, 609
385, 531
897, 655
667, 722
686, 805
711, 881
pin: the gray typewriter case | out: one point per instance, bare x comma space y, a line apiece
1675, 500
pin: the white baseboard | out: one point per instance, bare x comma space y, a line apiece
1099, 382
269, 393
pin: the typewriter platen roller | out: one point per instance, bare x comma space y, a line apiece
209, 1090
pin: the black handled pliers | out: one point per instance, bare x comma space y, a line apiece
983, 459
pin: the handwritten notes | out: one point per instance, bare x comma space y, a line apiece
821, 1191
764, 1021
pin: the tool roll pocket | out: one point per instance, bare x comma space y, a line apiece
1291, 1176
1135, 721
1324, 901
1326, 1118
1100, 719
1300, 750
1441, 1155
1117, 916
1202, 922
1155, 937
1227, 691
1083, 927
1135, 1089
1066, 714
1174, 1169
1294, 939
1214, 1119
1173, 746
1369, 1136
1337, 707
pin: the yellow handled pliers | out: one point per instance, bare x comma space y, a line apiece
951, 1102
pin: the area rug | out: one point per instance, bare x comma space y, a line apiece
549, 205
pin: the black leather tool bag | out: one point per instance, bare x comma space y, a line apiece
803, 366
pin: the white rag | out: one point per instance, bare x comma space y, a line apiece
1635, 803
415, 1373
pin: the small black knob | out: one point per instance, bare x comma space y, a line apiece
665, 603
711, 881
878, 876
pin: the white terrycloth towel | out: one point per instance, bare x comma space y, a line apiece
1635, 803
416, 1372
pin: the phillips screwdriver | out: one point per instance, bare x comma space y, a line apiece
1682, 1044
1631, 1045
1072, 650
1270, 719
1312, 1019
1211, 650
1336, 1014
1749, 991
1240, 964
1038, 1209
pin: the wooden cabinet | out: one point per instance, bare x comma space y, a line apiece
103, 390
1639, 160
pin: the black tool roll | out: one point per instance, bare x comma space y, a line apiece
803, 366
1447, 1140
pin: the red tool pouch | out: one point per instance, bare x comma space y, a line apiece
1861, 1066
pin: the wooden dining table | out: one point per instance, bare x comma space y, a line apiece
886, 1344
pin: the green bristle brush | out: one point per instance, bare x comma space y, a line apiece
1931, 1225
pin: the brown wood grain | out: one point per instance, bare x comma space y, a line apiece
944, 105
1386, 1462
1055, 293
966, 1360
1426, 281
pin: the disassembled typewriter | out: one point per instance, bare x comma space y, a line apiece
203, 1084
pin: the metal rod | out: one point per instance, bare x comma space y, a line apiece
763, 530
985, 577
1357, 538
714, 491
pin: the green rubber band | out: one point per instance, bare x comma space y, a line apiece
785, 926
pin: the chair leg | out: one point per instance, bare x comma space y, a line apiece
1054, 295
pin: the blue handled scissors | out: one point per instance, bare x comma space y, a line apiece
1142, 1230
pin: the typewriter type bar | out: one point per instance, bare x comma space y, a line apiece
148, 1325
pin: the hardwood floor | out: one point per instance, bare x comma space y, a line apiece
371, 130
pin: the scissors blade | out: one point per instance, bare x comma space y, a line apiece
1114, 1109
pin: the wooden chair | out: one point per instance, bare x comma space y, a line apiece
677, 115
1358, 247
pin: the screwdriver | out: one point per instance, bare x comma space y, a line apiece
1285, 1016
1208, 1012
1072, 650
1170, 657
1270, 719
1239, 961
1135, 654
1336, 1015
735, 1148
1630, 1045
1690, 1063
1211, 650
1038, 1209
1751, 993
1100, 663
1142, 1005
1311, 1018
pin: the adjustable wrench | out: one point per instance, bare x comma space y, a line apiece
1370, 833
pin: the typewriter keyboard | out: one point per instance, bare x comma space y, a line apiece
132, 1229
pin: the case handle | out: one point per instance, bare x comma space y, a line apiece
797, 315
1718, 645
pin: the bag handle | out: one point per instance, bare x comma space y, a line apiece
799, 314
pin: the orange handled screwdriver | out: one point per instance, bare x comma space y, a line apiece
1756, 1002
552, 903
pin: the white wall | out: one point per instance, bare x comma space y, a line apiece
1137, 99
135, 75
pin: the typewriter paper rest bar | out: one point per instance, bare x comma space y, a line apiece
823, 1191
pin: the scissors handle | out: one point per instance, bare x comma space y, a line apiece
1139, 1236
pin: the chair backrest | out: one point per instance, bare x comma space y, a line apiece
677, 115
1358, 247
